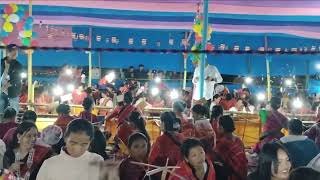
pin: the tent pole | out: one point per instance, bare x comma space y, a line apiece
90, 59
268, 59
30, 85
204, 44
185, 57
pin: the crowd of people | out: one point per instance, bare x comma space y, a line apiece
197, 140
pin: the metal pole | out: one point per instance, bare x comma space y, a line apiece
204, 43
90, 58
268, 59
185, 57
30, 86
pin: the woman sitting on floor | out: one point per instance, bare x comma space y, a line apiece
138, 149
195, 165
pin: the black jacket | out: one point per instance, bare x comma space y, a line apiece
14, 73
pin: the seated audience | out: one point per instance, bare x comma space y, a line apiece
167, 145
64, 117
23, 157
8, 122
137, 124
138, 150
275, 123
304, 173
229, 151
187, 128
194, 165
314, 132
99, 143
88, 104
29, 116
74, 159
216, 114
301, 149
274, 163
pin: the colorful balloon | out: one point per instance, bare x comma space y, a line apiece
14, 18
210, 47
7, 27
8, 10
14, 7
26, 41
5, 40
29, 20
20, 13
34, 43
27, 34
20, 25
27, 27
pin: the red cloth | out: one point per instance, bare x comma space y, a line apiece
5, 127
187, 128
8, 137
275, 121
166, 148
77, 98
121, 113
41, 153
228, 104
215, 127
63, 121
186, 172
231, 151
123, 133
88, 116
129, 171
272, 129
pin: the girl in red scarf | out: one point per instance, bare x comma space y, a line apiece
195, 166
230, 152
187, 128
86, 114
64, 117
167, 146
138, 149
23, 157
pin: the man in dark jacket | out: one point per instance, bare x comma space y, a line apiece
11, 71
301, 149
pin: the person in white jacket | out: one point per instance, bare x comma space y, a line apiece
211, 77
74, 161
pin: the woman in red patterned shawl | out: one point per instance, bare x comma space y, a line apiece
121, 113
87, 113
230, 152
195, 165
23, 158
138, 148
64, 117
275, 123
167, 146
187, 128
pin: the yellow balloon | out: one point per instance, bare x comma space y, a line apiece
8, 19
194, 48
27, 33
14, 7
7, 27
4, 16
